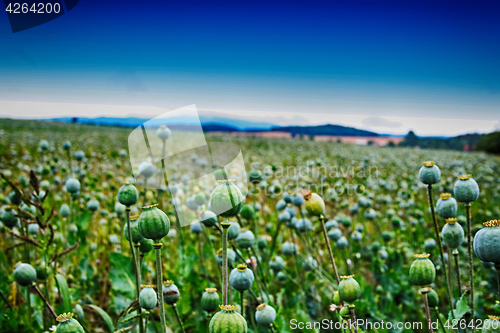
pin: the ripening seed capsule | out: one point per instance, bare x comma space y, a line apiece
210, 300
42, 271
309, 264
349, 289
335, 234
342, 243
281, 277
345, 312
228, 321
170, 292
245, 239
429, 173
289, 248
491, 325
9, 218
231, 257
452, 233
226, 199
446, 206
314, 204
241, 278
64, 211
43, 145
277, 264
208, 218
265, 314
24, 274
134, 229
422, 271
432, 298
466, 189
153, 223
429, 244
487, 242
66, 145
336, 298
66, 324
119, 208
72, 185
255, 176
163, 132
247, 212
128, 194
196, 227
145, 245
148, 298
93, 205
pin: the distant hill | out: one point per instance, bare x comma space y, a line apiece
335, 130
461, 142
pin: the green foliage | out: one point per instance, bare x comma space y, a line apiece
490, 143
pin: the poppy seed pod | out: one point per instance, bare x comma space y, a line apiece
255, 176
153, 223
432, 298
314, 204
226, 199
210, 300
208, 218
281, 204
93, 205
148, 298
491, 325
128, 194
446, 206
349, 289
72, 185
196, 227
64, 211
429, 173
42, 271
66, 145
335, 234
234, 230
452, 233
163, 132
487, 242
66, 324
336, 298
170, 292
231, 257
466, 189
245, 239
227, 321
284, 216
298, 200
303, 225
146, 169
289, 248
265, 314
241, 278
277, 264
134, 229
342, 243
24, 274
145, 245
9, 218
422, 270
247, 212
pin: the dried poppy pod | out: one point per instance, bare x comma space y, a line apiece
314, 203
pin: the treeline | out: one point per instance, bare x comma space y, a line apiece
461, 142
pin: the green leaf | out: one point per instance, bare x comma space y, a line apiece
107, 319
461, 308
64, 291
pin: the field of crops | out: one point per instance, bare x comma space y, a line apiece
314, 214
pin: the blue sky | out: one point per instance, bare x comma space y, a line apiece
284, 62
